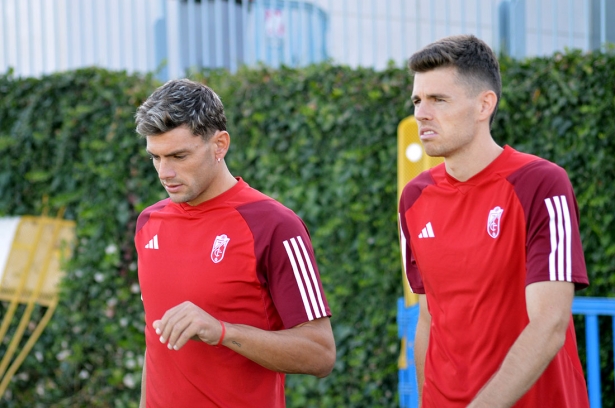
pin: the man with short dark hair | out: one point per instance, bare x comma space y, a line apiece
490, 241
229, 281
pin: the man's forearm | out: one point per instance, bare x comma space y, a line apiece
305, 349
548, 305
525, 362
421, 341
142, 402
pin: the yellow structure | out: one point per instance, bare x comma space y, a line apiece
31, 252
411, 161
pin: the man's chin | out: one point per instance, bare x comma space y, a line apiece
177, 199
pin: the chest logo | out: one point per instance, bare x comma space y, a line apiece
220, 244
493, 222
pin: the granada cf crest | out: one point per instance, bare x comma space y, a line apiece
217, 252
493, 222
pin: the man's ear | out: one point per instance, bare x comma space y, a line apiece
488, 101
222, 141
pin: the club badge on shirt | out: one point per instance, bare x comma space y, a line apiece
220, 244
493, 222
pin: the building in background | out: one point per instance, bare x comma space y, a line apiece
172, 36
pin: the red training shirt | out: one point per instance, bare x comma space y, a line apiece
472, 247
243, 258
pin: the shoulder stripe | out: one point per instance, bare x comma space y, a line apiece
298, 260
403, 245
313, 276
291, 257
560, 258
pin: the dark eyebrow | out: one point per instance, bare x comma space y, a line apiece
430, 96
173, 153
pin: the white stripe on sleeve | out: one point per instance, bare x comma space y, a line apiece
560, 239
291, 257
553, 236
313, 276
568, 228
403, 244
306, 279
560, 231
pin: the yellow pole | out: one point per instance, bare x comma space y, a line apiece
411, 161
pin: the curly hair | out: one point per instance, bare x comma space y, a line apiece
181, 102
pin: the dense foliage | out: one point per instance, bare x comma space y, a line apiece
322, 140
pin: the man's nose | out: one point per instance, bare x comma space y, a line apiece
422, 112
165, 170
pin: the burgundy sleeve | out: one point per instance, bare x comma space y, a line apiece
410, 194
286, 262
553, 242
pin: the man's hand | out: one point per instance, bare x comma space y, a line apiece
308, 348
548, 309
187, 321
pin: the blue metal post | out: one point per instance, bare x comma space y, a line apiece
69, 36
258, 33
593, 360
94, 22
602, 24
122, 36
359, 32
218, 33
388, 24
81, 35
44, 31
205, 30
134, 35
191, 33
570, 25
374, 38
31, 45
232, 36
555, 34
244, 23
417, 24
404, 43
161, 55
5, 43
478, 20
447, 17
108, 33
288, 30
432, 21
346, 42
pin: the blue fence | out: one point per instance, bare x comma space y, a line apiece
591, 308
173, 36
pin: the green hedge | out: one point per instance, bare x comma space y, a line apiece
322, 140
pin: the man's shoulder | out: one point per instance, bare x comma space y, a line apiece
529, 168
415, 187
147, 212
266, 208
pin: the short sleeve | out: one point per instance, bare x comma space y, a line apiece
553, 241
415, 281
286, 262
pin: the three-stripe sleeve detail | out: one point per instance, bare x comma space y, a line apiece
305, 277
404, 251
560, 234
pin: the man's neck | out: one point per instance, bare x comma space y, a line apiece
475, 158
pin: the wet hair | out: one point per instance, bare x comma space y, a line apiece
181, 102
476, 64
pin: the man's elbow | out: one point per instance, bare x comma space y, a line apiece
326, 363
558, 332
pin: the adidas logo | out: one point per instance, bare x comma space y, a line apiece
153, 243
427, 232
